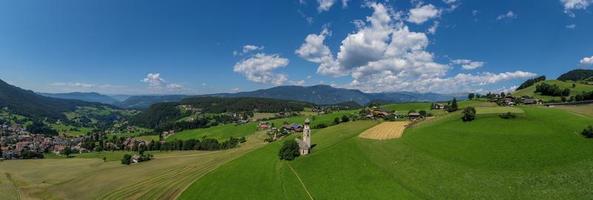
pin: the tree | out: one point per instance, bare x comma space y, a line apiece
423, 113
469, 114
289, 151
127, 159
588, 132
337, 120
345, 118
453, 106
471, 96
67, 151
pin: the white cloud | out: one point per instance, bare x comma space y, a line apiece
382, 54
587, 61
571, 26
421, 14
325, 5
468, 64
249, 48
433, 28
260, 68
570, 5
299, 82
509, 15
155, 82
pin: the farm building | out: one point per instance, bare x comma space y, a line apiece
414, 116
438, 106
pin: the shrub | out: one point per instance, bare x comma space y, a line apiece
507, 115
289, 151
320, 126
588, 132
127, 159
469, 114
345, 118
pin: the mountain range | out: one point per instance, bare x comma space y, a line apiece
318, 94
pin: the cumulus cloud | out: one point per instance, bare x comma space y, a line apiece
468, 64
260, 68
570, 5
155, 82
571, 26
382, 54
421, 14
587, 61
249, 48
510, 15
325, 5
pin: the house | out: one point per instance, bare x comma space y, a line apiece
529, 101
438, 106
263, 125
414, 116
508, 101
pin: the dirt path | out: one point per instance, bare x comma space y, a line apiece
301, 181
386, 131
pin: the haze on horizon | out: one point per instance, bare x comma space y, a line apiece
188, 47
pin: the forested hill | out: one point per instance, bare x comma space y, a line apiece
577, 75
242, 104
163, 114
142, 102
30, 104
84, 96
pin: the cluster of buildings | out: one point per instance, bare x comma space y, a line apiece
16, 143
512, 101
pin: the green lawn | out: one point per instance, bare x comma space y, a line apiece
538, 155
70, 130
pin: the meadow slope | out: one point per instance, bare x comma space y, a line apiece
538, 155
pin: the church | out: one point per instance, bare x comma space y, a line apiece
305, 143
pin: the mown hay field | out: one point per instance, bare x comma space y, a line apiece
385, 131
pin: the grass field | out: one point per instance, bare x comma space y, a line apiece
406, 107
165, 177
223, 132
580, 109
498, 110
530, 91
539, 155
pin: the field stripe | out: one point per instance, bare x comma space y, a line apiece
298, 177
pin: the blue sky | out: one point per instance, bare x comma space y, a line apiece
197, 47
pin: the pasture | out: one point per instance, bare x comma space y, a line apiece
580, 109
165, 177
530, 91
498, 110
538, 155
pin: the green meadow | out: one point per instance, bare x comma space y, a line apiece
538, 155
578, 89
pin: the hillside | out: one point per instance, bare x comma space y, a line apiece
551, 162
577, 75
30, 104
166, 114
142, 102
84, 96
530, 91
